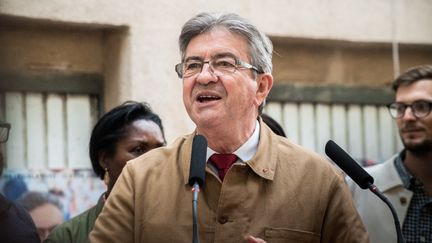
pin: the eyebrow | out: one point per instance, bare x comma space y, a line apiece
224, 54
196, 58
415, 101
218, 55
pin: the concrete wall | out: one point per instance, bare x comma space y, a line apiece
323, 62
139, 38
39, 49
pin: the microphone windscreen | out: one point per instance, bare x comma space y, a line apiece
198, 160
348, 165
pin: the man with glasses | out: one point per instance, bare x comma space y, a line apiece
16, 225
406, 178
258, 186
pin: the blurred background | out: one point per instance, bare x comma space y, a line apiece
63, 63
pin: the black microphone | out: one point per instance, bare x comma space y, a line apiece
361, 178
198, 160
347, 164
196, 177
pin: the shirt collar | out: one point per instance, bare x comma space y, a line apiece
406, 177
247, 150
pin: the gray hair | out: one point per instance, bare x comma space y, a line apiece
33, 199
260, 46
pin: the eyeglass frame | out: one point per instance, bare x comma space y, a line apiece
6, 126
238, 65
411, 106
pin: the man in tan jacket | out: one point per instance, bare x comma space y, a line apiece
275, 191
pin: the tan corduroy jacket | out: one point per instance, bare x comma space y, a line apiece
283, 194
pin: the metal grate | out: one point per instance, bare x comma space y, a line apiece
367, 132
48, 130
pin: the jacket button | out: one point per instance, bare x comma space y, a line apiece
403, 200
223, 220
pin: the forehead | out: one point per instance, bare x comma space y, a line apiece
420, 90
39, 215
216, 41
143, 127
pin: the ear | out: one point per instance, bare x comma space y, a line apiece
264, 83
103, 159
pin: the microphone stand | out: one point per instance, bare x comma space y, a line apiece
376, 191
361, 178
197, 177
195, 190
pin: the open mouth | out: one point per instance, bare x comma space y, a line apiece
207, 98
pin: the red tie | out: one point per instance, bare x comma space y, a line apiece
223, 162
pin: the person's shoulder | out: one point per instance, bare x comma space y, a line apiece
19, 213
292, 149
381, 167
5, 205
292, 156
75, 229
386, 175
16, 223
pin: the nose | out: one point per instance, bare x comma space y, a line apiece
206, 75
408, 114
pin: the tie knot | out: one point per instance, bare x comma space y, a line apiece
223, 162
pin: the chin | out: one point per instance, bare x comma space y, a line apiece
418, 147
207, 115
207, 123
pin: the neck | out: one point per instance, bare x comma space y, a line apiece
109, 188
227, 139
420, 166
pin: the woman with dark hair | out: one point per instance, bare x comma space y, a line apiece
122, 134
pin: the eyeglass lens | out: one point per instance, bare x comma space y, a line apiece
418, 108
219, 66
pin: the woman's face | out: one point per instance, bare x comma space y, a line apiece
141, 136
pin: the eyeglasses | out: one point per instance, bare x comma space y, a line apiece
4, 132
419, 109
219, 66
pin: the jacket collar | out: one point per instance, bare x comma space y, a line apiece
263, 163
389, 178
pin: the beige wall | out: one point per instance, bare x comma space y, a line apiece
312, 62
367, 20
139, 38
41, 49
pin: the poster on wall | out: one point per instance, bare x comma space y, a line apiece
77, 189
